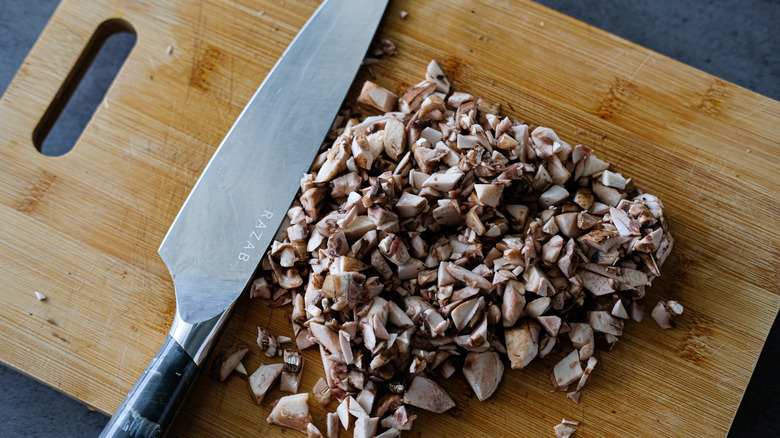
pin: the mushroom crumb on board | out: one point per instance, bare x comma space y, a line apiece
440, 236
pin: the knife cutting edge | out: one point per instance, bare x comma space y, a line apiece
219, 236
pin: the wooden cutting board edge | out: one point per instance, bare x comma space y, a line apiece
61, 68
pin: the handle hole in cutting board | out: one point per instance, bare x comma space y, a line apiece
84, 88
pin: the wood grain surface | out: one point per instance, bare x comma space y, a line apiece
84, 228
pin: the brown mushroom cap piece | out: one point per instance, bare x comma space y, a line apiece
483, 372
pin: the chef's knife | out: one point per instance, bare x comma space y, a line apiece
226, 224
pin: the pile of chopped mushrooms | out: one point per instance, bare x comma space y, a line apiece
443, 237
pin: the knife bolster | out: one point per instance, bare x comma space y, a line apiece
198, 339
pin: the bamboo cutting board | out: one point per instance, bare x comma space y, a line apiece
84, 228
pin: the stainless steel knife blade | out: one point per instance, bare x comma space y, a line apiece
229, 219
232, 213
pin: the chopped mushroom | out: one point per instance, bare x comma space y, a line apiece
321, 392
426, 394
436, 75
260, 289
564, 430
449, 234
567, 371
522, 343
365, 426
292, 411
228, 360
312, 431
663, 313
241, 371
291, 372
378, 97
332, 421
262, 379
267, 342
483, 372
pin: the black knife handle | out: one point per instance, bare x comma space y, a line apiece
149, 408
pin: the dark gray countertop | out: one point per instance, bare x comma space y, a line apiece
737, 40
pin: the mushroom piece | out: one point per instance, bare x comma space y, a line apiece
522, 343
292, 411
367, 396
343, 413
552, 196
568, 224
401, 419
662, 316
260, 289
457, 98
394, 138
625, 225
552, 249
414, 96
597, 284
227, 360
241, 370
346, 290
447, 213
410, 205
267, 342
326, 337
563, 430
332, 422
435, 74
365, 426
321, 391
603, 322
262, 379
483, 372
607, 195
580, 334
443, 182
551, 323
291, 372
489, 194
395, 250
567, 371
384, 219
426, 394
335, 163
378, 97
388, 402
614, 180
546, 346
312, 431
467, 277
619, 310
592, 361
358, 228
537, 307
